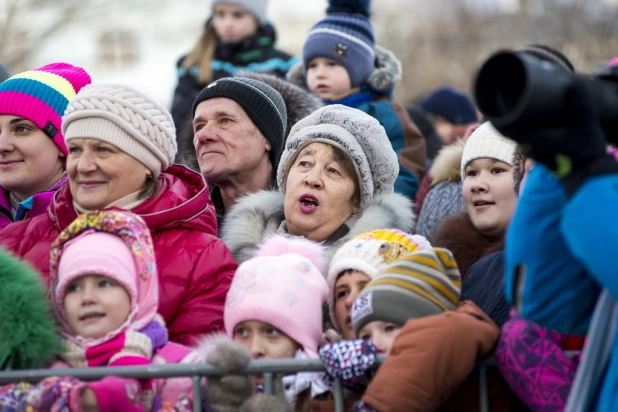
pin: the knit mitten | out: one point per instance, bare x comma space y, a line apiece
264, 402
228, 393
351, 360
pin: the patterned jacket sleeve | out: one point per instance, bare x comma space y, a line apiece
534, 365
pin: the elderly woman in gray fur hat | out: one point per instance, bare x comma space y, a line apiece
335, 181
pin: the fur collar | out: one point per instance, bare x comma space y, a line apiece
260, 215
446, 166
384, 77
468, 245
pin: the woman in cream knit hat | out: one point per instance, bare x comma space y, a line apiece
121, 145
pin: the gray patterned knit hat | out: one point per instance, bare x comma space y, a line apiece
126, 118
358, 135
255, 7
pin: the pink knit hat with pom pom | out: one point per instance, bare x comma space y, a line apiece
282, 286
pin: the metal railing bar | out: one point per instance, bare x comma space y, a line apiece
197, 394
268, 383
483, 390
338, 395
256, 367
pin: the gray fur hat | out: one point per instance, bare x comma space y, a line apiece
358, 135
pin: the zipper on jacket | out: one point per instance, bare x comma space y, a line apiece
7, 214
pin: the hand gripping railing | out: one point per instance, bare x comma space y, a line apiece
267, 368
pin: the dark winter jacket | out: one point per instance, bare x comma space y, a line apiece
484, 285
256, 54
468, 245
376, 99
195, 267
433, 141
260, 215
440, 193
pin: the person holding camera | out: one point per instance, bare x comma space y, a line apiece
562, 240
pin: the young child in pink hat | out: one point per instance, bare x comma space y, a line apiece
105, 294
273, 310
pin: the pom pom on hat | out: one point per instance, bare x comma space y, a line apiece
362, 7
281, 245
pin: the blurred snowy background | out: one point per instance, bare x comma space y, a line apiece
138, 42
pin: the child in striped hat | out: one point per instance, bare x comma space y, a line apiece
423, 283
356, 263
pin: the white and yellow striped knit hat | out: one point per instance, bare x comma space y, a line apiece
421, 284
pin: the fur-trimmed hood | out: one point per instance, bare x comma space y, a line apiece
468, 245
385, 76
447, 165
260, 215
29, 336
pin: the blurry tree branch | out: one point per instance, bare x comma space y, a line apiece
448, 46
25, 25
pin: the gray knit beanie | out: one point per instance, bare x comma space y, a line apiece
126, 118
358, 135
255, 7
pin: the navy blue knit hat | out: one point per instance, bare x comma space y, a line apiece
346, 36
451, 104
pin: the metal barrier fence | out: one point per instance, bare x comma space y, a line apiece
267, 368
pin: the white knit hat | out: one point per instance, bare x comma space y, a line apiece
126, 118
369, 253
486, 141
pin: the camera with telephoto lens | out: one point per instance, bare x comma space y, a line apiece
518, 92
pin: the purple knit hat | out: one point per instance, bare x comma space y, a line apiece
42, 95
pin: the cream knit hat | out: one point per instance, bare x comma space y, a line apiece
126, 118
486, 141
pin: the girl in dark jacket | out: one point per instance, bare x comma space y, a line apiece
236, 37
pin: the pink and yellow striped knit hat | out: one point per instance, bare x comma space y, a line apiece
42, 95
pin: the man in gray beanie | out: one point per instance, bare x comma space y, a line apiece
239, 130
